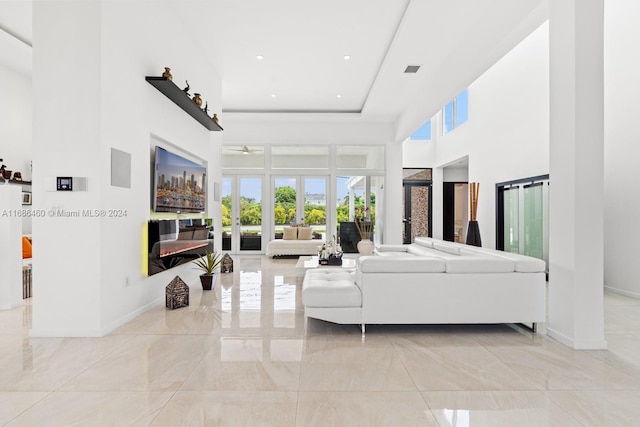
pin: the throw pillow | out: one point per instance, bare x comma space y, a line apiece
290, 233
200, 234
304, 233
26, 248
185, 234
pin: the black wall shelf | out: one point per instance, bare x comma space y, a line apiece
177, 95
13, 181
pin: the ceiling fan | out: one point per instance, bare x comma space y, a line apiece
246, 150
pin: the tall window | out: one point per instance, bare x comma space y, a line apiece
456, 112
423, 133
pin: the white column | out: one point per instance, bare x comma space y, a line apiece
10, 247
437, 180
576, 314
392, 226
352, 204
66, 142
367, 197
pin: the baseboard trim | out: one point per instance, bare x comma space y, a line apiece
11, 306
622, 292
92, 333
127, 318
576, 345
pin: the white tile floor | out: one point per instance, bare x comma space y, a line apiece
242, 355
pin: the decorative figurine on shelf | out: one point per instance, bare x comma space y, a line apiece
215, 118
206, 107
4, 173
186, 89
17, 176
167, 73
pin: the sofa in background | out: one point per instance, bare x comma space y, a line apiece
27, 248
168, 250
430, 282
295, 241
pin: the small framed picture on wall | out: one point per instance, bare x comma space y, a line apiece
26, 197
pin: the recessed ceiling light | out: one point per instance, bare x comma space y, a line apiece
259, 57
347, 57
339, 96
411, 69
273, 95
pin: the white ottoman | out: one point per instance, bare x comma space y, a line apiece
332, 294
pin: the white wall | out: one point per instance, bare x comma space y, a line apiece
10, 249
90, 280
622, 149
507, 134
15, 121
455, 174
125, 62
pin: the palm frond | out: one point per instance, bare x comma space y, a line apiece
209, 262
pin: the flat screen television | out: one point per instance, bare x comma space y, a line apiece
179, 184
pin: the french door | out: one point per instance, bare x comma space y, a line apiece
300, 199
242, 214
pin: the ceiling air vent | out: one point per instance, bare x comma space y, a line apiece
411, 69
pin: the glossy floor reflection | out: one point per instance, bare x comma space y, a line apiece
243, 354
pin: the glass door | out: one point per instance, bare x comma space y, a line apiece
522, 217
356, 200
300, 200
285, 204
242, 229
511, 204
533, 220
315, 205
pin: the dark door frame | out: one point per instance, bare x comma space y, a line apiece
407, 184
448, 210
500, 187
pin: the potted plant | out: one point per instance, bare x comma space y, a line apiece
208, 263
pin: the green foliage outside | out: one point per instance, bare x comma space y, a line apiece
285, 209
342, 210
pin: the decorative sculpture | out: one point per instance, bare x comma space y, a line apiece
227, 264
177, 294
167, 73
473, 230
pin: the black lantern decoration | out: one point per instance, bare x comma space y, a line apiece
227, 264
177, 294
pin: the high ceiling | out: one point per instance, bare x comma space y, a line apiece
303, 45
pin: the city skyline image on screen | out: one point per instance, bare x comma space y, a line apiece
180, 184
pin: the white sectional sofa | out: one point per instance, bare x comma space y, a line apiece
430, 282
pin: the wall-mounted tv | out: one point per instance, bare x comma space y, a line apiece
179, 184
